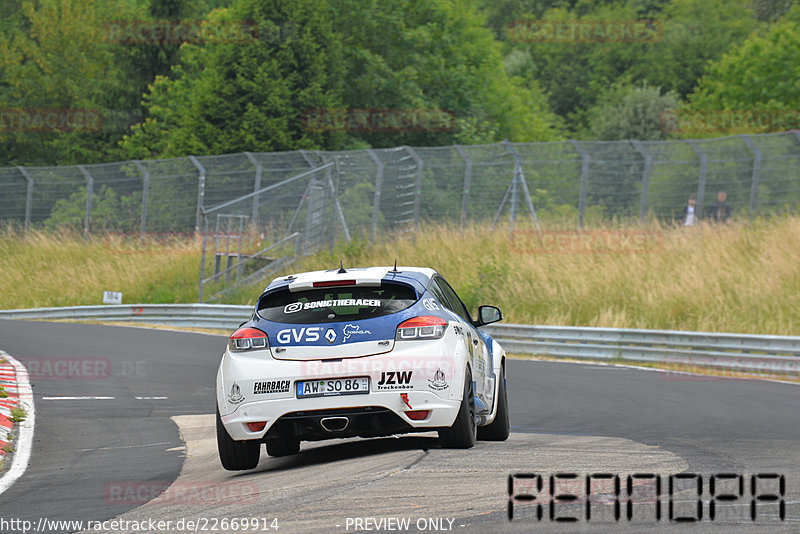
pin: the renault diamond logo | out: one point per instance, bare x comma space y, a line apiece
330, 335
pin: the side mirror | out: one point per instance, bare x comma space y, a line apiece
488, 315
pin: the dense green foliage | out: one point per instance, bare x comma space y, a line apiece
488, 69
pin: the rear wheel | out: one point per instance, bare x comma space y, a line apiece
462, 435
498, 429
283, 447
236, 455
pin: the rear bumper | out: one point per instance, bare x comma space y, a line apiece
434, 383
376, 414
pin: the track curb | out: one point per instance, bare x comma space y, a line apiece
15, 381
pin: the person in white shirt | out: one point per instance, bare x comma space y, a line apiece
688, 216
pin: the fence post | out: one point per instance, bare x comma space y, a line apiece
89, 189
648, 165
28, 197
204, 224
308, 159
467, 184
520, 177
417, 186
701, 185
335, 195
145, 196
376, 205
256, 187
751, 211
584, 181
201, 192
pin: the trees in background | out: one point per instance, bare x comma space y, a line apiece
307, 62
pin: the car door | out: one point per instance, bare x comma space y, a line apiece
479, 354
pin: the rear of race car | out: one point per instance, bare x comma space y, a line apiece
332, 354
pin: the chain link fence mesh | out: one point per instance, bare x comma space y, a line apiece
392, 190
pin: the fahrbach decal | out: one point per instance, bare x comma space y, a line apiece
271, 386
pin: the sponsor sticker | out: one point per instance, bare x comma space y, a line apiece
354, 330
395, 380
235, 396
271, 386
334, 303
439, 381
430, 305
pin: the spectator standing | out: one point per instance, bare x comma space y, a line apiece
688, 215
720, 211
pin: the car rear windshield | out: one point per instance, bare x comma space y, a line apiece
333, 304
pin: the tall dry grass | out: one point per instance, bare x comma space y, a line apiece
61, 269
726, 278
730, 278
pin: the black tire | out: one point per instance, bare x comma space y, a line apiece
236, 455
463, 433
498, 429
283, 447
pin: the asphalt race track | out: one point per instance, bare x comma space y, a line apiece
112, 434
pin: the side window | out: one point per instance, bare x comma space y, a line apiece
441, 296
457, 306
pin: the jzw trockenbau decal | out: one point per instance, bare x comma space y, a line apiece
395, 380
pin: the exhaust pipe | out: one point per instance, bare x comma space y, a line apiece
334, 424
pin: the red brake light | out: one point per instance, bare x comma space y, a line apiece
422, 327
417, 415
245, 339
423, 320
257, 427
334, 283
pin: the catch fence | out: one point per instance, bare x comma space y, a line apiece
300, 202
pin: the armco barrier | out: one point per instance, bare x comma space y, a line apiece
219, 316
773, 355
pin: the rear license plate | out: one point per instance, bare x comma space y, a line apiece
332, 387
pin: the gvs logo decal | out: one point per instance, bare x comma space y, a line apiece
298, 335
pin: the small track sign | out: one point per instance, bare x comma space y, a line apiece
112, 297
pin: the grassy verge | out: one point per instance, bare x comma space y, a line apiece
46, 269
731, 278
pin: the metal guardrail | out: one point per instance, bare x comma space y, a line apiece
773, 355
219, 316
739, 352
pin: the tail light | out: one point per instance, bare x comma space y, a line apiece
257, 427
417, 415
245, 339
423, 327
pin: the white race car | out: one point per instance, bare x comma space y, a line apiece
359, 352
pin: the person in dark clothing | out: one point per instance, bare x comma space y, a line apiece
719, 211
